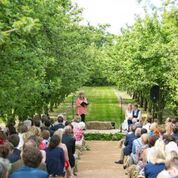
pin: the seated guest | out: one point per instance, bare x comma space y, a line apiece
169, 128
59, 125
4, 152
154, 131
22, 129
169, 156
156, 161
172, 167
138, 145
59, 132
45, 134
136, 114
55, 158
69, 141
129, 114
32, 158
127, 149
76, 121
18, 164
148, 124
15, 155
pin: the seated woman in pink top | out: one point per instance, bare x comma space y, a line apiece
81, 106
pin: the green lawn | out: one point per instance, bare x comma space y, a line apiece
103, 105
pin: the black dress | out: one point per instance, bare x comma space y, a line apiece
69, 141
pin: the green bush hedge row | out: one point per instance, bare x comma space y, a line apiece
104, 137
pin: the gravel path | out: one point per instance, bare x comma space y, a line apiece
99, 161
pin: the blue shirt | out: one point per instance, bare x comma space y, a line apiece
152, 170
29, 172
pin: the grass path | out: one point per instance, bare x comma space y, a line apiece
103, 104
99, 162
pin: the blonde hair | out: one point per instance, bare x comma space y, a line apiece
144, 138
160, 155
59, 133
35, 131
169, 128
171, 155
153, 126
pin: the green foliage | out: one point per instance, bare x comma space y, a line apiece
44, 54
146, 55
104, 137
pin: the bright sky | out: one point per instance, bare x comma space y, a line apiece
117, 13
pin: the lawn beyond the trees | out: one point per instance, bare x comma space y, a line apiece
103, 104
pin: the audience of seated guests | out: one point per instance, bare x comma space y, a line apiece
15, 154
32, 158
43, 146
153, 154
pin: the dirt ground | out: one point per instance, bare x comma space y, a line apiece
99, 161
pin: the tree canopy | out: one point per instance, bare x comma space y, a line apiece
145, 55
45, 54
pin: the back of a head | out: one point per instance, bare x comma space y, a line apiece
60, 119
59, 133
136, 106
54, 141
143, 131
37, 122
68, 130
14, 139
138, 132
149, 119
22, 128
172, 163
4, 150
47, 123
30, 143
153, 126
31, 156
45, 134
133, 128
82, 125
168, 138
144, 138
28, 123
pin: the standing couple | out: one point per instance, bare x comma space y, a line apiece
132, 115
